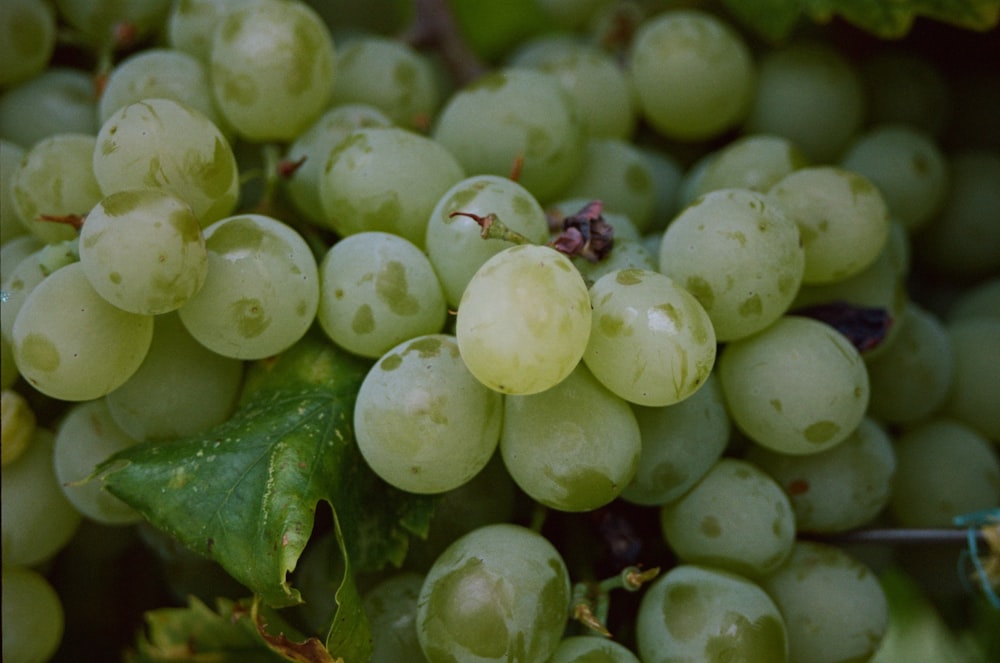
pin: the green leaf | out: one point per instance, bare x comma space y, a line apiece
245, 492
892, 19
771, 19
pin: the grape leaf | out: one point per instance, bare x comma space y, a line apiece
245, 493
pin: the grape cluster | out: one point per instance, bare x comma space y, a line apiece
750, 290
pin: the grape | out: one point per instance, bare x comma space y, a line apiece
389, 75
739, 255
86, 437
56, 101
696, 613
944, 469
680, 443
422, 421
272, 69
159, 73
499, 593
376, 291
143, 251
834, 607
33, 618
15, 250
755, 162
529, 116
980, 301
842, 218
181, 387
37, 520
55, 178
591, 649
29, 38
385, 179
651, 342
839, 489
391, 608
906, 166
573, 447
736, 518
809, 93
27, 274
101, 20
454, 242
314, 145
974, 397
191, 24
911, 378
161, 143
798, 387
10, 226
961, 240
8, 368
693, 74
524, 320
667, 175
71, 344
906, 88
18, 424
261, 292
619, 176
627, 254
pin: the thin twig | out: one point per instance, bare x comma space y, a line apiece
434, 28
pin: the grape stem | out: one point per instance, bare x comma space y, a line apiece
434, 29
493, 228
592, 600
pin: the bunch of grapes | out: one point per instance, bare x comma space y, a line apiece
647, 304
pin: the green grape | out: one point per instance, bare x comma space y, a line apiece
54, 178
651, 342
454, 242
159, 73
911, 378
735, 518
974, 398
908, 168
755, 162
272, 69
37, 520
391, 608
626, 254
524, 320
15, 250
192, 23
618, 175
515, 114
10, 226
376, 291
422, 421
573, 447
798, 387
898, 248
963, 240
143, 251
592, 77
980, 301
834, 607
839, 489
906, 88
680, 443
944, 469
29, 38
385, 179
23, 278
591, 649
315, 144
18, 423
86, 437
667, 174
71, 344
573, 14
33, 618
390, 75
101, 20
693, 74
499, 593
261, 292
739, 255
8, 368
842, 218
810, 93
697, 613
181, 387
164, 144
687, 189
56, 101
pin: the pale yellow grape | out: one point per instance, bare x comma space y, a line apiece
13, 251
16, 287
143, 251
754, 162
626, 254
651, 342
524, 320
842, 218
272, 69
33, 618
17, 423
71, 344
797, 387
164, 144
